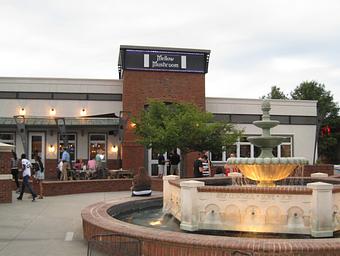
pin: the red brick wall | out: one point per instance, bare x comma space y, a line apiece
325, 168
55, 188
139, 86
6, 191
113, 164
309, 169
155, 242
157, 184
5, 162
51, 169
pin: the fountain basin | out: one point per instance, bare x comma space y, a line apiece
267, 170
266, 174
310, 210
266, 141
97, 220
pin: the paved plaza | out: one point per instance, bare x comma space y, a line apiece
48, 227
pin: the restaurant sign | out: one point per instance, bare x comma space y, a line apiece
165, 61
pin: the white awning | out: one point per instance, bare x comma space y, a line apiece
5, 147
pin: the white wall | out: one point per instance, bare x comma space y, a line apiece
19, 84
303, 135
253, 106
64, 108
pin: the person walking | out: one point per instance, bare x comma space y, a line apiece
66, 163
26, 174
39, 174
15, 170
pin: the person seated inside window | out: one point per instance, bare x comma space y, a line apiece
141, 183
78, 164
91, 167
60, 170
79, 169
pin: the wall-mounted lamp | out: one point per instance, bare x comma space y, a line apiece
22, 111
52, 112
83, 112
114, 149
132, 125
51, 148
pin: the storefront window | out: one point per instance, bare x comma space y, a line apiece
72, 146
217, 156
257, 151
243, 148
8, 138
286, 147
97, 142
274, 152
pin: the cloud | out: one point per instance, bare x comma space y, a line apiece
255, 43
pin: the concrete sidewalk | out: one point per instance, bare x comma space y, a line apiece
50, 226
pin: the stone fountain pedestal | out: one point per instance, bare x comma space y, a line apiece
307, 210
321, 209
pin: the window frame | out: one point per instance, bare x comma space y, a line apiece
75, 142
252, 148
89, 144
9, 141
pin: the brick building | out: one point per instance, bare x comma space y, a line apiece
40, 115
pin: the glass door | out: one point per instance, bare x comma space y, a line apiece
153, 163
36, 145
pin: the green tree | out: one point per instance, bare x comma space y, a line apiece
327, 113
181, 125
275, 93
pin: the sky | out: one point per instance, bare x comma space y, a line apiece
255, 44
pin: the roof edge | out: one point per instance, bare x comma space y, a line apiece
172, 49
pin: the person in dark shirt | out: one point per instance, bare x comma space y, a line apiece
161, 165
198, 167
174, 160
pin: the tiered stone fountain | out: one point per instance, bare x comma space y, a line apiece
200, 205
311, 209
266, 168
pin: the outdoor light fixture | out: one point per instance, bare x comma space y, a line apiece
52, 112
22, 111
114, 149
132, 125
83, 112
51, 148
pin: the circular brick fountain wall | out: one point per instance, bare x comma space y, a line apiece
97, 220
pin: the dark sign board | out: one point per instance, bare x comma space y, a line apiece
156, 60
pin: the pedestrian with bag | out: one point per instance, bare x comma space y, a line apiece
39, 174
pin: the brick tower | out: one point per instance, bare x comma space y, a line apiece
166, 74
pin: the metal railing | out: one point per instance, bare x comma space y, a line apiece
113, 244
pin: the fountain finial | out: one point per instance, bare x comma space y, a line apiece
265, 109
